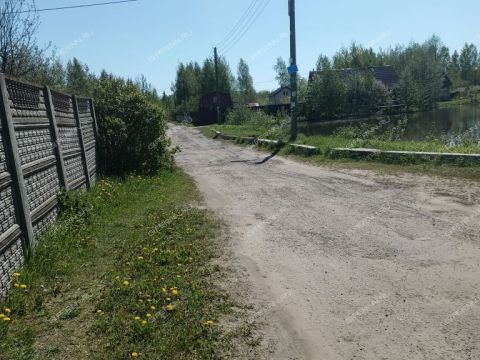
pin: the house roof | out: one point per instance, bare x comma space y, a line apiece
385, 74
280, 90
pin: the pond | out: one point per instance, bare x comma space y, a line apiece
454, 125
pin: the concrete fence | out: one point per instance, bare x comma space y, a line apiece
47, 142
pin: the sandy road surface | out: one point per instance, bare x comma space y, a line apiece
347, 264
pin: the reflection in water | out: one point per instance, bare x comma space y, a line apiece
455, 126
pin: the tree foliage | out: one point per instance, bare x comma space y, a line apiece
193, 81
245, 83
424, 69
281, 69
132, 128
20, 56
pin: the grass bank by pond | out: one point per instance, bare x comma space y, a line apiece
326, 143
348, 140
125, 273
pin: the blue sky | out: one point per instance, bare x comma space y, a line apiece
151, 37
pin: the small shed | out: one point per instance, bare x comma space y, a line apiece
281, 95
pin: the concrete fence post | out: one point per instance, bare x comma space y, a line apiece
15, 167
56, 137
82, 142
94, 117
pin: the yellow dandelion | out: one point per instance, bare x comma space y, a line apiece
170, 307
137, 318
140, 258
144, 322
126, 283
153, 308
209, 322
179, 276
8, 310
190, 258
168, 299
164, 290
149, 315
16, 285
2, 316
99, 311
23, 286
6, 319
134, 355
117, 277
16, 274
174, 292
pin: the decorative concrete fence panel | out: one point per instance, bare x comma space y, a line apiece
47, 142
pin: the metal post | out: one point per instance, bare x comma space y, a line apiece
293, 69
82, 143
15, 167
56, 137
216, 98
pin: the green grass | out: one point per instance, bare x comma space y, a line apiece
457, 103
326, 143
126, 270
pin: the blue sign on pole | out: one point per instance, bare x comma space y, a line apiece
293, 69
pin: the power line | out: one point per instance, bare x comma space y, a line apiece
252, 16
75, 6
247, 27
227, 37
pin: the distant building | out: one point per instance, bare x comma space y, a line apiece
387, 76
281, 95
384, 74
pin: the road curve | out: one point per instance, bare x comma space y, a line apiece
347, 264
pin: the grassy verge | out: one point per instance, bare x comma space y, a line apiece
125, 273
457, 103
325, 143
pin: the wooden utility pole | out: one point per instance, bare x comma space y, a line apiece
293, 69
216, 98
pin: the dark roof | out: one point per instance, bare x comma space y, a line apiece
280, 90
385, 74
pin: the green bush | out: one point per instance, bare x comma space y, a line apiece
132, 129
268, 126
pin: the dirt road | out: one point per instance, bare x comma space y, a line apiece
347, 264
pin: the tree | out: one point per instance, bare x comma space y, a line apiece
469, 63
327, 96
187, 87
355, 56
323, 62
455, 62
225, 78
20, 55
245, 82
79, 79
283, 77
